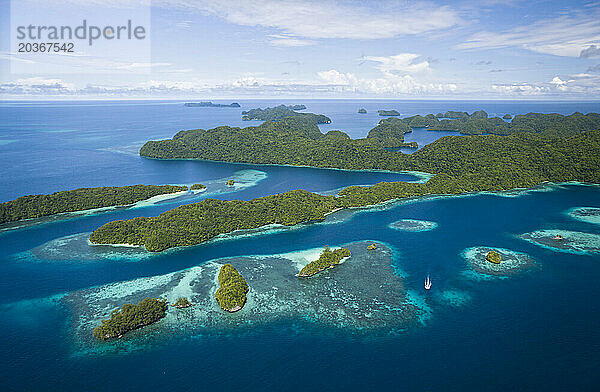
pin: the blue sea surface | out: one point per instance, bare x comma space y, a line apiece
535, 329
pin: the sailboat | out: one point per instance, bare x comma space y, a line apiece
427, 283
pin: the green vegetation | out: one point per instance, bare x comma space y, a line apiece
182, 302
192, 224
280, 112
390, 132
35, 206
493, 257
130, 317
209, 104
388, 112
231, 294
507, 116
478, 123
555, 152
372, 247
230, 182
197, 187
362, 111
328, 259
453, 115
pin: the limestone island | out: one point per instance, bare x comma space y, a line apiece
209, 104
280, 112
131, 317
231, 294
362, 111
230, 183
493, 257
181, 303
388, 112
372, 247
327, 259
486, 261
197, 187
570, 145
37, 206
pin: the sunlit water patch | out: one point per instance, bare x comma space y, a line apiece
511, 262
571, 241
585, 214
362, 294
451, 297
413, 225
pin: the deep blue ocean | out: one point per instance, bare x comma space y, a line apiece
536, 329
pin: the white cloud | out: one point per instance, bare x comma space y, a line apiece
390, 84
519, 89
327, 18
287, 40
566, 35
590, 51
403, 62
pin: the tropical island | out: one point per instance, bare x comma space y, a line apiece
230, 183
362, 111
36, 206
327, 259
181, 303
280, 112
493, 257
131, 317
198, 187
507, 116
557, 152
209, 104
231, 294
388, 112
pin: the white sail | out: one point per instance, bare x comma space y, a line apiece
427, 283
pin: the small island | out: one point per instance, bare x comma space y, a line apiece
37, 206
328, 259
181, 303
131, 317
280, 112
388, 112
507, 116
231, 294
362, 111
230, 183
372, 247
493, 257
198, 187
209, 104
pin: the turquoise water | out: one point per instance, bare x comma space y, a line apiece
366, 324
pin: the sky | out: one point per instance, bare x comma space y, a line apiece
486, 49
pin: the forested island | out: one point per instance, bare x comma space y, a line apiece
362, 111
131, 317
231, 294
390, 133
388, 112
557, 152
197, 187
36, 206
327, 259
280, 112
209, 104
